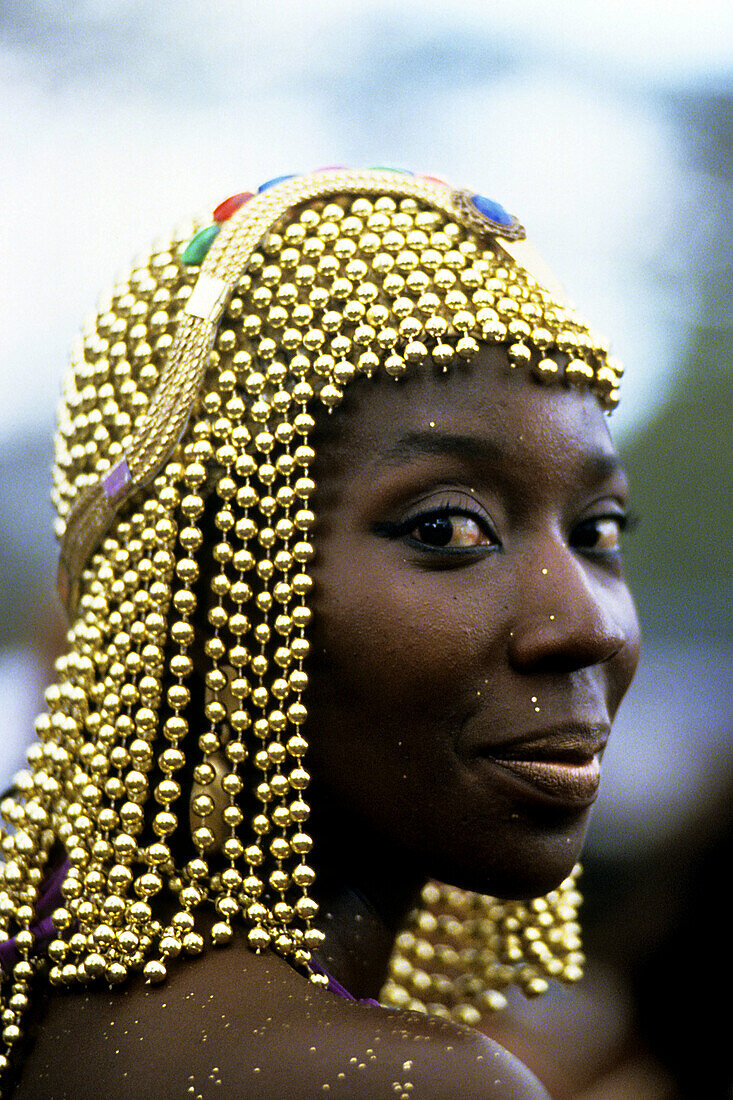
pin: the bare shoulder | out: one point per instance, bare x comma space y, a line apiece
234, 1025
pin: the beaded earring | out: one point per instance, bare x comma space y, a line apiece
191, 394
459, 950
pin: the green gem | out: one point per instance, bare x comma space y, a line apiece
199, 245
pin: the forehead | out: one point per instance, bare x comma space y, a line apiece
493, 414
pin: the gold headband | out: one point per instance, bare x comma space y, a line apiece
223, 266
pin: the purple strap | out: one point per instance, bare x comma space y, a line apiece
335, 986
43, 928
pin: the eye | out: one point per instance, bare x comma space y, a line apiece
449, 530
600, 535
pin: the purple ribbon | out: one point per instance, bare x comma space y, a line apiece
335, 986
43, 927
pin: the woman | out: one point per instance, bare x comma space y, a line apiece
318, 664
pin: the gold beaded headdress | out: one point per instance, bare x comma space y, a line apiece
193, 389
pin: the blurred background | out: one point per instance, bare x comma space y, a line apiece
608, 129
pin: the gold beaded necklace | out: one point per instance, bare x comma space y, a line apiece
191, 394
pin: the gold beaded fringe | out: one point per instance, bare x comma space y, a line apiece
324, 278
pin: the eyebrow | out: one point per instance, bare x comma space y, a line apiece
597, 465
417, 444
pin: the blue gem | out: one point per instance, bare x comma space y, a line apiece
276, 179
491, 210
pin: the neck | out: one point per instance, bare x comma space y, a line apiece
365, 892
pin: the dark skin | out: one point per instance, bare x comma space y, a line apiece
469, 597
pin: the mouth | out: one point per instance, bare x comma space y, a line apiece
562, 765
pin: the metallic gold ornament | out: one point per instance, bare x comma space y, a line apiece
183, 452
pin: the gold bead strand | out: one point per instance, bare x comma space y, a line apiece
291, 816
274, 605
203, 804
411, 330
289, 938
300, 586
298, 812
303, 875
110, 726
93, 942
140, 930
29, 847
262, 536
50, 781
100, 911
228, 431
97, 820
75, 819
143, 619
188, 479
183, 572
463, 318
25, 850
240, 719
268, 926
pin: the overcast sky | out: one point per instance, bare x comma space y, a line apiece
119, 118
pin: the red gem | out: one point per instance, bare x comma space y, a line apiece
230, 206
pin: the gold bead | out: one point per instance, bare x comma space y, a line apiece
279, 880
258, 939
395, 366
154, 972
493, 332
443, 355
330, 395
519, 355
606, 379
578, 373
546, 370
301, 843
233, 848
415, 351
467, 347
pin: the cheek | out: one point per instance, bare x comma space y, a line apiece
625, 664
393, 641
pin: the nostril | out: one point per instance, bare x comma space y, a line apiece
573, 636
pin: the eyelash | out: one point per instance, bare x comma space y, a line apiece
443, 511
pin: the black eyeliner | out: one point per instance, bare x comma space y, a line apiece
434, 552
392, 530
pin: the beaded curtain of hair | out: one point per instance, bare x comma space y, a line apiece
193, 388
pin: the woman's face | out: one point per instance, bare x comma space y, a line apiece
473, 632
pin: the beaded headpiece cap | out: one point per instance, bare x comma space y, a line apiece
193, 390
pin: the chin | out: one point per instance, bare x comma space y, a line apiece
532, 883
517, 871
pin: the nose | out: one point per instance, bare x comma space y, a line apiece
567, 616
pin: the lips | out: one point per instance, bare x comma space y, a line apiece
562, 765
